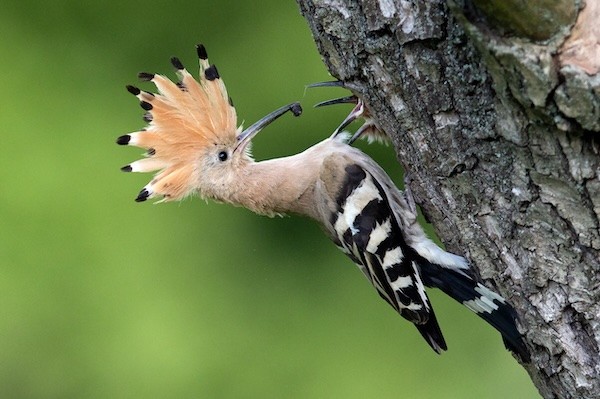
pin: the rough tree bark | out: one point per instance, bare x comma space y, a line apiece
494, 110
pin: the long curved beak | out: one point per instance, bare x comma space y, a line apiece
342, 100
335, 83
246, 136
332, 83
357, 112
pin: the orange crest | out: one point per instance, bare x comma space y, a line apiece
183, 119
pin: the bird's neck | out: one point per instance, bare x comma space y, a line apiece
276, 186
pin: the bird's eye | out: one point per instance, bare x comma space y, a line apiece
223, 156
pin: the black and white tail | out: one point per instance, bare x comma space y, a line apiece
487, 304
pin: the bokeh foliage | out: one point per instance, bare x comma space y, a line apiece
101, 297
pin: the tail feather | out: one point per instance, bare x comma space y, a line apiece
484, 302
432, 333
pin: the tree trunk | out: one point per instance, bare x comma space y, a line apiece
494, 111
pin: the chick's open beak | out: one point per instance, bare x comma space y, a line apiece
356, 112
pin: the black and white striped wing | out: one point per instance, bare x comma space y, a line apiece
363, 225
359, 218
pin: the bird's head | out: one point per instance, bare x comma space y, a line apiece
192, 137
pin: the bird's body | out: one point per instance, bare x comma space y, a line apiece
193, 140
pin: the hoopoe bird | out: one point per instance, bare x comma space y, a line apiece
193, 142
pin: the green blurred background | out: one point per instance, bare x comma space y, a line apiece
102, 297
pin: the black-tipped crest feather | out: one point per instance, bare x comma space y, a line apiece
133, 90
177, 63
201, 51
211, 73
145, 76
